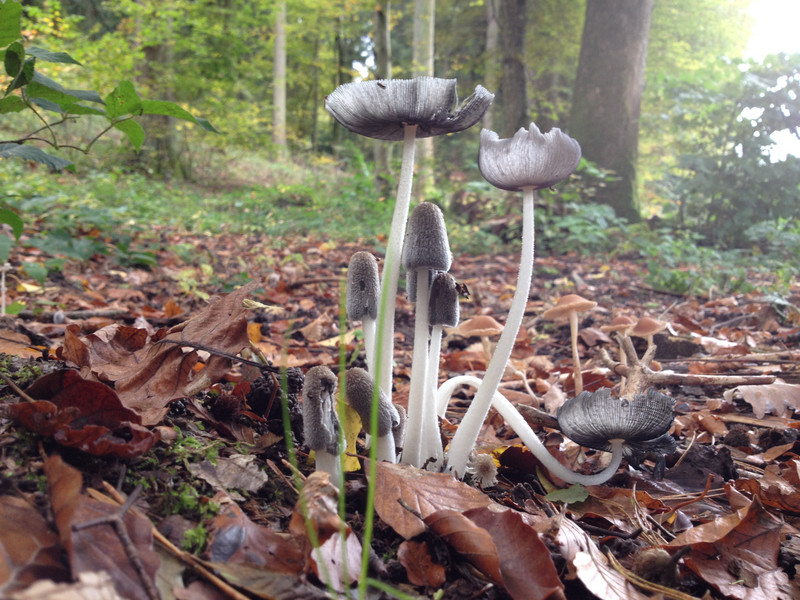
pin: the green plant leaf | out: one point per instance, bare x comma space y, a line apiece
35, 154
133, 130
6, 244
36, 271
24, 77
15, 308
54, 57
9, 217
58, 99
10, 31
123, 101
170, 109
571, 495
15, 56
11, 104
45, 81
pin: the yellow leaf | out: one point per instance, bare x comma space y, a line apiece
352, 426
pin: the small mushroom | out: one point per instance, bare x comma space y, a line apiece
320, 421
483, 470
484, 327
527, 162
443, 311
620, 325
363, 295
646, 328
569, 306
596, 420
426, 249
361, 394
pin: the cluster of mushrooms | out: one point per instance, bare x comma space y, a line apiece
629, 426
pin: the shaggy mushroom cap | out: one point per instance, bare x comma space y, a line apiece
567, 304
363, 286
360, 391
320, 421
381, 109
426, 244
530, 159
443, 307
592, 419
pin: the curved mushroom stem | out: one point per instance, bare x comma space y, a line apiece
422, 441
391, 274
520, 426
576, 360
467, 432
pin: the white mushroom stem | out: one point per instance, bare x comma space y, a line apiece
467, 432
330, 464
422, 442
520, 426
391, 272
576, 360
434, 352
368, 327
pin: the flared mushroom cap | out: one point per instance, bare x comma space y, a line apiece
360, 391
647, 327
426, 244
443, 308
591, 419
622, 323
529, 159
320, 421
363, 286
382, 109
567, 304
480, 326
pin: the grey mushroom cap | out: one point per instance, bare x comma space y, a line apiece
411, 283
443, 308
363, 286
320, 421
381, 109
426, 244
529, 159
360, 391
591, 419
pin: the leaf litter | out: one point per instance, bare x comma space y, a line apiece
133, 401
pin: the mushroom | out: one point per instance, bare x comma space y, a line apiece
646, 328
569, 306
483, 470
526, 162
363, 291
631, 427
361, 394
484, 327
402, 109
620, 325
320, 421
443, 311
426, 249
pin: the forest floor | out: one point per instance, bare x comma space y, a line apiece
197, 441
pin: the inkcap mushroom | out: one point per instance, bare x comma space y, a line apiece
363, 295
526, 162
402, 109
360, 393
320, 421
569, 306
426, 249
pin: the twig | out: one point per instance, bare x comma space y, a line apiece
197, 346
643, 583
16, 388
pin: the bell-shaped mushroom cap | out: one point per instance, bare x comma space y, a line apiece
359, 392
399, 429
363, 286
591, 419
426, 244
647, 326
529, 159
480, 326
320, 421
567, 304
382, 109
443, 308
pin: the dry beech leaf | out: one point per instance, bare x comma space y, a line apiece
319, 505
525, 562
90, 586
98, 548
775, 397
335, 566
29, 549
236, 472
234, 538
423, 491
420, 566
265, 583
470, 541
17, 344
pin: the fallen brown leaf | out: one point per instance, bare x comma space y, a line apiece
421, 568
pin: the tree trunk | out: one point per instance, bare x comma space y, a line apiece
491, 58
513, 85
279, 83
383, 70
608, 93
424, 21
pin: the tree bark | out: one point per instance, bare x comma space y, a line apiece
422, 62
608, 93
492, 53
513, 84
279, 83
